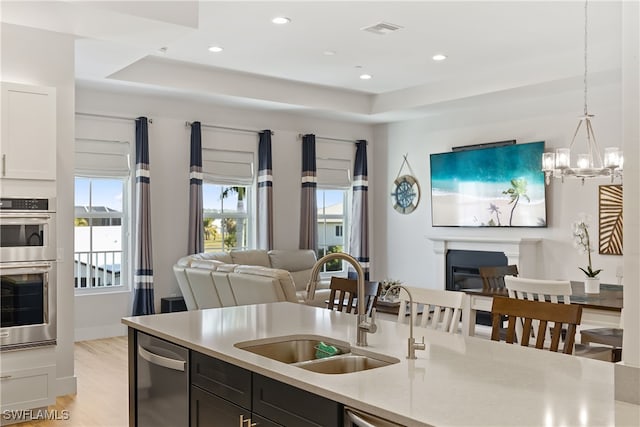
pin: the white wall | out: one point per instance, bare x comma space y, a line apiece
627, 380
47, 59
169, 166
403, 250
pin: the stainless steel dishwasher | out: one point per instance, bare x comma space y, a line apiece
162, 383
357, 418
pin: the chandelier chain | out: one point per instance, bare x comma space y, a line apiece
585, 58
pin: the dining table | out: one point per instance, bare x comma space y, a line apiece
602, 309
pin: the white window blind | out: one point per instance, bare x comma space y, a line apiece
234, 167
102, 157
334, 163
333, 173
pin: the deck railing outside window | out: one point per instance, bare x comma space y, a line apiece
97, 269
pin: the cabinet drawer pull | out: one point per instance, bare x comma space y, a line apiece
6, 377
248, 421
4, 165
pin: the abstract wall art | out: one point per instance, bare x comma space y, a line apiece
610, 219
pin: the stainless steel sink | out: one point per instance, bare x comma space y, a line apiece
302, 351
292, 349
345, 364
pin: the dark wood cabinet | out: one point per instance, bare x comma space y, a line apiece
221, 378
209, 410
291, 406
223, 394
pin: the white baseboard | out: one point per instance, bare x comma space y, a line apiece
66, 385
98, 332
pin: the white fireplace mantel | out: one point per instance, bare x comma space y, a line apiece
522, 252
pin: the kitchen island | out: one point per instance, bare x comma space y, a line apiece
456, 381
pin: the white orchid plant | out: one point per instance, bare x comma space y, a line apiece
582, 242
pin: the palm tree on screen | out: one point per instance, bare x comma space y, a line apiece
518, 190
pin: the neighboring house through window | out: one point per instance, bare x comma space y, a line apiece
332, 217
333, 163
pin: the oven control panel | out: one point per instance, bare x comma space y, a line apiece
24, 204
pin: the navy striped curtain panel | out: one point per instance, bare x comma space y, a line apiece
196, 228
359, 236
143, 276
265, 192
309, 205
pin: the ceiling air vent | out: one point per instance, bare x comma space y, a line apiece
382, 28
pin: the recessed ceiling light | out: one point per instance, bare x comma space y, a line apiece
281, 20
215, 49
365, 76
329, 52
439, 57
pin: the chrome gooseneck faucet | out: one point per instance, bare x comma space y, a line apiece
364, 326
412, 345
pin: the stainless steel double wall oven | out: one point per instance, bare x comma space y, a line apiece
27, 272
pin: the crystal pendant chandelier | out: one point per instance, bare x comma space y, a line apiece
589, 164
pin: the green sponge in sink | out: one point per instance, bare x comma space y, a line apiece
325, 350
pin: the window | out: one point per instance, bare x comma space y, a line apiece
100, 232
332, 217
102, 205
226, 219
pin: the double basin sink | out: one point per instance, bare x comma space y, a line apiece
308, 353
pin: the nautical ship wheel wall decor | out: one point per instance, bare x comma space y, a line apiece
406, 191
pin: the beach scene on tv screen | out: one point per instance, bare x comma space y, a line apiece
489, 187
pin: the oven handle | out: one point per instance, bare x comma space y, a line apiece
23, 218
25, 267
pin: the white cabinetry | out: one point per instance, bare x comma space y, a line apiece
28, 142
27, 379
28, 388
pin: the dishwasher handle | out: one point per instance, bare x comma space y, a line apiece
165, 362
357, 420
362, 419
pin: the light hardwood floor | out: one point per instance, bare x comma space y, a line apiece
102, 398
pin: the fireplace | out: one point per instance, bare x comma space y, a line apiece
462, 267
463, 272
523, 252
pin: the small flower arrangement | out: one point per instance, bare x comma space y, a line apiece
385, 285
582, 242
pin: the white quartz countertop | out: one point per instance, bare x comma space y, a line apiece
457, 381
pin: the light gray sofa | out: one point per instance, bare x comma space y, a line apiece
222, 279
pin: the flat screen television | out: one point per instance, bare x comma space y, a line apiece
501, 186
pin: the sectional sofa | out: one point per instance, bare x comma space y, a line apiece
223, 279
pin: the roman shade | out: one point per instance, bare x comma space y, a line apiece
229, 166
110, 158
